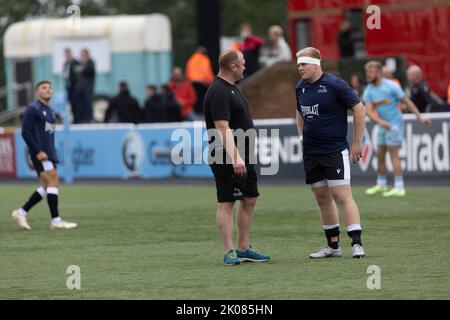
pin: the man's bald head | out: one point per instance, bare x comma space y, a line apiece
232, 65
414, 74
227, 58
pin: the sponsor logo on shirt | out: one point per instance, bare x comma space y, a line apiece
49, 127
381, 102
310, 110
322, 89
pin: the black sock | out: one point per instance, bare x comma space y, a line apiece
332, 237
356, 237
32, 201
52, 200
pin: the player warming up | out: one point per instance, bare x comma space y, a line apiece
38, 131
322, 104
383, 95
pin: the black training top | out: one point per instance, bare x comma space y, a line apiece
224, 101
38, 130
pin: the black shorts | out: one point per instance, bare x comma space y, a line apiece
334, 166
231, 187
41, 166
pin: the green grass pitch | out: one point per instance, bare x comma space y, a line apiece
161, 242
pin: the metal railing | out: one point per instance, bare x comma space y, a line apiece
12, 116
19, 108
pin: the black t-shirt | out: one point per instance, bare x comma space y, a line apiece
425, 99
224, 101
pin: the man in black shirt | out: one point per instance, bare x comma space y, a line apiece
346, 40
85, 85
421, 94
124, 107
70, 77
154, 107
226, 110
38, 131
172, 110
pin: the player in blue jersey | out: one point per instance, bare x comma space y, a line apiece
383, 95
322, 104
38, 131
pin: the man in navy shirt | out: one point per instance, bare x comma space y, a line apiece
322, 104
38, 131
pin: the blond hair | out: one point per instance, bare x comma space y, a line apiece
276, 29
309, 52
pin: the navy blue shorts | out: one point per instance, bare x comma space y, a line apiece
327, 167
41, 166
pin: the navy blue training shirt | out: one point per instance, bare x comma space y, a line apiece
323, 106
38, 130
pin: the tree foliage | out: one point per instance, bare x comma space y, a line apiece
260, 13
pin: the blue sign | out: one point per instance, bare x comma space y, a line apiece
121, 151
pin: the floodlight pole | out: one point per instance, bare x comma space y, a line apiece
208, 29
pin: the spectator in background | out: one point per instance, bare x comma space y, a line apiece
383, 95
448, 95
388, 74
250, 46
279, 49
357, 84
184, 94
154, 109
123, 107
70, 79
421, 95
85, 85
199, 72
171, 107
345, 39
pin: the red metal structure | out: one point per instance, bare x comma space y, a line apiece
417, 31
